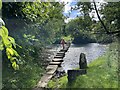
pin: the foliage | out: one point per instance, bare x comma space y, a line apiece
36, 9
8, 42
31, 66
86, 28
36, 16
80, 30
99, 35
84, 7
67, 38
39, 14
33, 25
26, 77
111, 15
32, 11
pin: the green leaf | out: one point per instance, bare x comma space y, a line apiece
13, 59
19, 46
15, 66
4, 31
15, 52
12, 41
7, 42
10, 51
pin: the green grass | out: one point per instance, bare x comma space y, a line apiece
55, 83
101, 73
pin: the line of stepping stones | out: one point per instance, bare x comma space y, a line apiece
52, 67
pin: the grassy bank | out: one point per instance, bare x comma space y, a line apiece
102, 73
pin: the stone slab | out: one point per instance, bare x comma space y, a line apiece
58, 56
51, 67
64, 50
44, 80
51, 71
61, 53
57, 60
55, 63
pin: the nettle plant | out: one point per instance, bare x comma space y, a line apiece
8, 43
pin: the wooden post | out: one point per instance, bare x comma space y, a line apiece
82, 61
72, 74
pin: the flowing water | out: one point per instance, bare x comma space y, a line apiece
71, 59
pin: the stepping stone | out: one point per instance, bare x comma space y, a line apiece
51, 67
58, 56
44, 80
64, 50
55, 63
42, 84
61, 53
57, 60
51, 71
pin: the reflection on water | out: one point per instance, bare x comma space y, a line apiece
71, 59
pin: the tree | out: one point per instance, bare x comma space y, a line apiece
111, 14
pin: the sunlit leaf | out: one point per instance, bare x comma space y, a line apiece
9, 50
12, 41
5, 31
14, 65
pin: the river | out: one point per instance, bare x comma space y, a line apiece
71, 59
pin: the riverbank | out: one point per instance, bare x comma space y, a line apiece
101, 73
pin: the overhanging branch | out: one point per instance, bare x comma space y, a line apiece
106, 30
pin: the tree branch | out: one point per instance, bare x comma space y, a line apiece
106, 30
100, 18
114, 32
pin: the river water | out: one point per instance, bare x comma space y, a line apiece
71, 59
